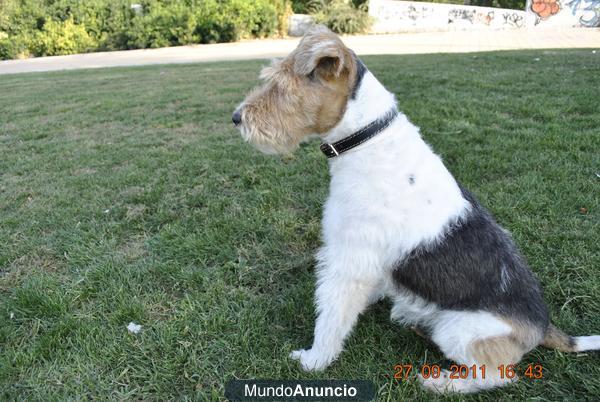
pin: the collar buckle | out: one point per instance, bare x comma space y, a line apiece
359, 137
333, 149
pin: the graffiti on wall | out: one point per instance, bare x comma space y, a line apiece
393, 16
545, 8
566, 12
514, 20
485, 18
471, 16
415, 13
407, 16
460, 15
591, 11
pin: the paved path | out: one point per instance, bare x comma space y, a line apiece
413, 43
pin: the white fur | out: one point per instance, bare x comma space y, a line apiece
587, 343
445, 384
454, 331
372, 209
504, 278
374, 216
412, 310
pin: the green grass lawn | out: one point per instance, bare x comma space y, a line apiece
127, 195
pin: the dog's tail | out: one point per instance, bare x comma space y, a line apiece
557, 339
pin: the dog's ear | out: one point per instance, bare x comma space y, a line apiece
321, 53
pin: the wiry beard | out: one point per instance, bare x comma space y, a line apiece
264, 142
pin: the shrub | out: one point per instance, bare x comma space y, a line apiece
18, 16
14, 47
305, 6
103, 19
212, 26
301, 6
341, 16
207, 21
236, 19
44, 27
163, 25
256, 18
284, 10
6, 11
62, 37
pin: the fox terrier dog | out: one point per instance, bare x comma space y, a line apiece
396, 223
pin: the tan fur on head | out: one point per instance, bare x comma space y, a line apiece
303, 94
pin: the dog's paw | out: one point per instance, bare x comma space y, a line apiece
439, 385
310, 360
445, 384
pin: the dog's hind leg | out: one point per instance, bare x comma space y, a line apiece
484, 345
478, 372
339, 303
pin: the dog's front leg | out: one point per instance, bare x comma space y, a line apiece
339, 302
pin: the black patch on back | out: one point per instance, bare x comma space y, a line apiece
464, 270
361, 69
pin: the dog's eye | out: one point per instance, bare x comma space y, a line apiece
312, 75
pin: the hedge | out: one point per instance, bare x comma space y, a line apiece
54, 27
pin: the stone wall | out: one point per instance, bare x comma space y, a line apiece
392, 16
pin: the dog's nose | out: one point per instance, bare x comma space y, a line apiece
236, 117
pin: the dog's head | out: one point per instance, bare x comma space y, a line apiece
302, 95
